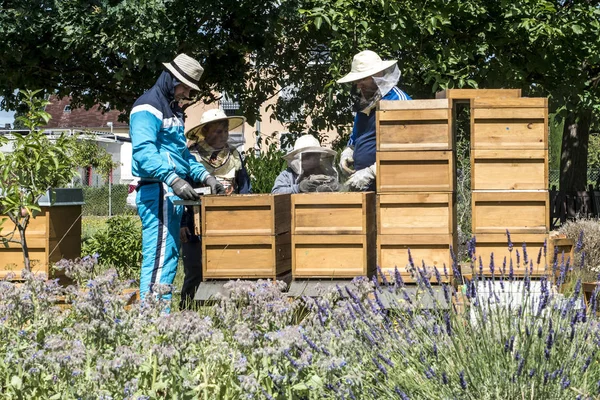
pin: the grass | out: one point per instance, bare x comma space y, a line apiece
92, 224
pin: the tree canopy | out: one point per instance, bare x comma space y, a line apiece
108, 51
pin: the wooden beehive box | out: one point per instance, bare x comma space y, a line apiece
333, 256
517, 212
333, 213
415, 171
509, 169
246, 236
414, 125
54, 234
246, 257
470, 94
517, 123
434, 250
416, 213
497, 244
245, 214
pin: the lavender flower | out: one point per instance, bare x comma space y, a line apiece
510, 243
398, 278
379, 366
400, 393
579, 244
383, 278
462, 381
448, 324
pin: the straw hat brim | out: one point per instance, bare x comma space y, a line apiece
312, 149
234, 122
179, 76
355, 76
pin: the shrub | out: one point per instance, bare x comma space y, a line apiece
586, 233
119, 245
264, 166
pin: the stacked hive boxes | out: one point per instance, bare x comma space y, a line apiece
246, 236
333, 235
415, 185
509, 175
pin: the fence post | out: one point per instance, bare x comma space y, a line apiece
110, 193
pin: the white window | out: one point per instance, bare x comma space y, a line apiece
229, 106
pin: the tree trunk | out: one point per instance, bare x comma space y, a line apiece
24, 248
574, 153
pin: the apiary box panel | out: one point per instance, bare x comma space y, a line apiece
333, 213
246, 257
416, 213
509, 170
517, 212
432, 250
245, 214
415, 171
333, 256
414, 125
498, 245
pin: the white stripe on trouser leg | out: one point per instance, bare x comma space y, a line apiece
165, 232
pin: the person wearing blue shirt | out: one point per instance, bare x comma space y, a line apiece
162, 161
376, 80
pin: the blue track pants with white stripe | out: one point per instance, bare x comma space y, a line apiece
161, 221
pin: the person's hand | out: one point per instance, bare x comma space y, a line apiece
361, 179
184, 190
215, 186
309, 185
346, 161
184, 234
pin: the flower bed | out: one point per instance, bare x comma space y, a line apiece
258, 343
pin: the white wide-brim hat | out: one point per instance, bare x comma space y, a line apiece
186, 69
307, 144
364, 64
214, 115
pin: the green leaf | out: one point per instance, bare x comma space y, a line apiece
318, 21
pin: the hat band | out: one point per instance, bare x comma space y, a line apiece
185, 75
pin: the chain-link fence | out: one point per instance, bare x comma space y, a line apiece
106, 200
593, 178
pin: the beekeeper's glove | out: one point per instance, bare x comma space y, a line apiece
346, 160
184, 190
215, 186
361, 179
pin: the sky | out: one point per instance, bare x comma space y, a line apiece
6, 117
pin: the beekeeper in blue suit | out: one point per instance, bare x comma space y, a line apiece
376, 80
162, 162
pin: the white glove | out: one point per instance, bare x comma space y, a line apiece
361, 179
346, 160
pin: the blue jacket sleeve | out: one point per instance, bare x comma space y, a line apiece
197, 171
243, 179
285, 183
144, 128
